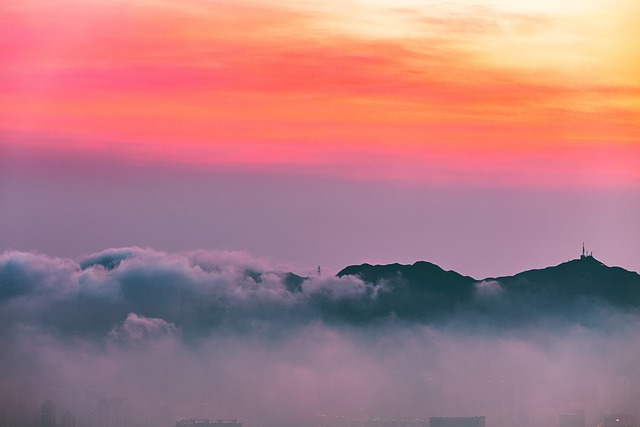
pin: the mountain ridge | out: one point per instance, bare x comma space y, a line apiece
571, 286
588, 260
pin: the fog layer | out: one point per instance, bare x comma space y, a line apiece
225, 335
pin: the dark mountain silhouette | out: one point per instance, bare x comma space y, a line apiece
579, 279
95, 297
580, 290
421, 273
421, 290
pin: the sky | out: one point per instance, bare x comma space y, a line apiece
487, 136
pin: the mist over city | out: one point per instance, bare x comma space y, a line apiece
138, 337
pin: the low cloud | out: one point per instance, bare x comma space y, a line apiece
136, 328
222, 334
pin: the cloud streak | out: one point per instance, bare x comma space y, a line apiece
420, 86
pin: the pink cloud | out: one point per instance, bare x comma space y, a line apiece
189, 84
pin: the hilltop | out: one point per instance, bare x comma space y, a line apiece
576, 290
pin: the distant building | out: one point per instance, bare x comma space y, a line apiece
67, 419
501, 403
113, 413
572, 419
335, 421
617, 420
48, 414
457, 422
384, 422
616, 396
203, 422
322, 420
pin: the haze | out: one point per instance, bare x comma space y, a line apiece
224, 335
164, 166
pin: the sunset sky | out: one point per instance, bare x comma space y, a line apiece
484, 135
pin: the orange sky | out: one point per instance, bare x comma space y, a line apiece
529, 93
